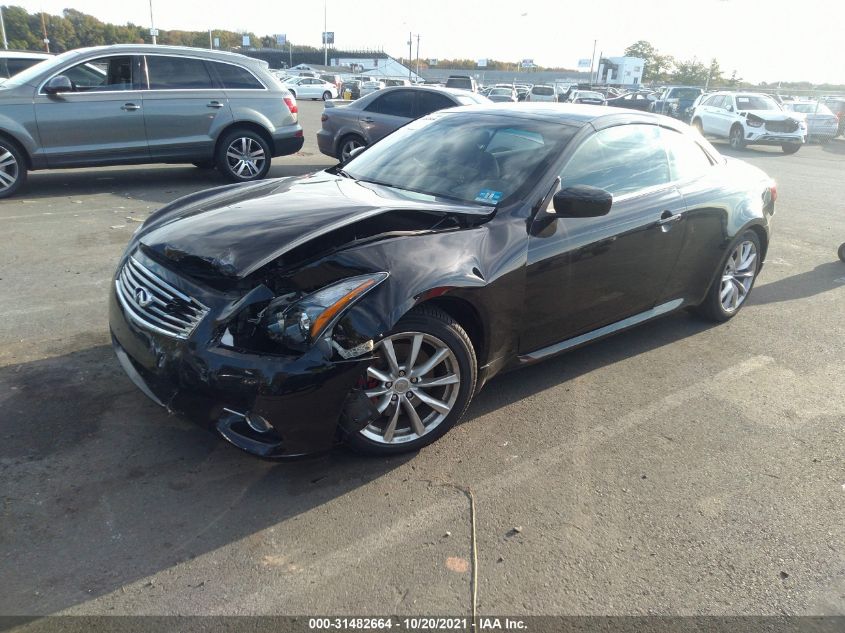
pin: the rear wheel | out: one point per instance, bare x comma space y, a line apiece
842, 251
790, 148
347, 144
12, 169
737, 137
698, 126
327, 95
420, 382
243, 156
738, 271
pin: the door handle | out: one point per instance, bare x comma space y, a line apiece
368, 120
667, 219
214, 104
129, 107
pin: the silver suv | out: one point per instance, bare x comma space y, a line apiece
136, 104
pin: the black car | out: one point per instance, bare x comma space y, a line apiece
632, 101
369, 302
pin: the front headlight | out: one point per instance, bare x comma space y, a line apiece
754, 122
298, 325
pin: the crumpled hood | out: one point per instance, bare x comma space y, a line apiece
236, 230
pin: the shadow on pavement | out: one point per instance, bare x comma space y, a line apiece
801, 286
100, 487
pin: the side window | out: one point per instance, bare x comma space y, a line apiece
99, 75
177, 73
729, 103
716, 101
428, 102
397, 103
621, 159
686, 158
236, 78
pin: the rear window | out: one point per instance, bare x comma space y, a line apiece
542, 90
236, 78
175, 73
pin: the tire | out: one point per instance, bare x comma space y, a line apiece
736, 137
244, 144
327, 95
204, 164
12, 168
347, 144
698, 126
714, 306
438, 334
842, 251
790, 148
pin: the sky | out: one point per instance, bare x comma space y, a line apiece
763, 40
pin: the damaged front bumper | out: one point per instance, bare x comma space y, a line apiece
268, 405
753, 137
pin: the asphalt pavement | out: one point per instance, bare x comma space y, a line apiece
679, 468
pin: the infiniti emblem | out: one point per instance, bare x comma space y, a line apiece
143, 296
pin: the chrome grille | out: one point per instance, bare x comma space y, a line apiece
787, 125
154, 304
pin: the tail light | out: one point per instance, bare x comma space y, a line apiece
773, 191
290, 102
324, 117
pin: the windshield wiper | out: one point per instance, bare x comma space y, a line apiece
345, 174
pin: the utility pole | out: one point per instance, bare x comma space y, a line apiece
3, 28
592, 59
210, 40
599, 79
290, 52
418, 54
410, 52
153, 32
44, 31
325, 35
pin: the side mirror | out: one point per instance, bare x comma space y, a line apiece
729, 108
582, 201
59, 83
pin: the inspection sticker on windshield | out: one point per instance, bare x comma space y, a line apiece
488, 195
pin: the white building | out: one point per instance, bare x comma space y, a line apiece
379, 67
621, 71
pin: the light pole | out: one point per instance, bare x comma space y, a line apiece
3, 28
153, 31
325, 35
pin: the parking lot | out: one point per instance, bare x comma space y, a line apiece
678, 468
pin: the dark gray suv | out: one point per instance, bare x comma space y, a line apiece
135, 104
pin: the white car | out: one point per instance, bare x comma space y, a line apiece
748, 118
311, 88
13, 62
541, 93
371, 86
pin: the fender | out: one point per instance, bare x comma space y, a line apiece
26, 136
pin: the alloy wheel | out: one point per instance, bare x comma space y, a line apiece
736, 138
413, 384
347, 147
738, 276
245, 157
9, 169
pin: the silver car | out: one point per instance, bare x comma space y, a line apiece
135, 104
374, 116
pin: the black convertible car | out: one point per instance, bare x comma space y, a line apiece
369, 302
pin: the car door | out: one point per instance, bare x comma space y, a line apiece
386, 113
101, 121
707, 111
184, 108
587, 273
429, 101
724, 117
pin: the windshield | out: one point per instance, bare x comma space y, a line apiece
756, 102
473, 158
502, 91
590, 95
810, 108
542, 90
33, 72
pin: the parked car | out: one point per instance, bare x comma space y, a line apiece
371, 118
676, 101
540, 93
589, 97
822, 124
311, 88
837, 106
133, 104
335, 80
391, 83
633, 101
749, 118
502, 95
13, 62
369, 302
463, 82
369, 87
350, 89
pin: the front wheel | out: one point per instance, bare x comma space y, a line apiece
790, 148
737, 137
243, 156
420, 382
738, 271
327, 95
698, 126
12, 169
842, 251
349, 143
